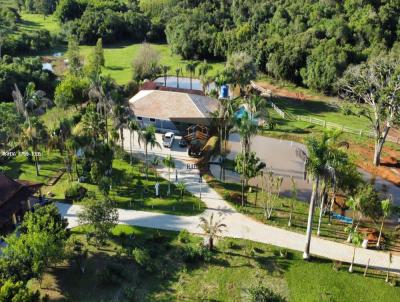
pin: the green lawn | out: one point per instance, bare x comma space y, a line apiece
34, 22
171, 274
21, 168
324, 110
131, 190
119, 60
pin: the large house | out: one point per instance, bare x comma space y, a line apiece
16, 197
170, 110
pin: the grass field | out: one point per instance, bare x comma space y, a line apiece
325, 110
34, 22
170, 274
119, 58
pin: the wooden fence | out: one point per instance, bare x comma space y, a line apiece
316, 121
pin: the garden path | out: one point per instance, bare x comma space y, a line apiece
238, 225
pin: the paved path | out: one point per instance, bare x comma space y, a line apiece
280, 157
238, 225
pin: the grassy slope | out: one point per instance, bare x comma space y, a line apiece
21, 168
235, 267
322, 109
129, 195
126, 193
34, 22
119, 60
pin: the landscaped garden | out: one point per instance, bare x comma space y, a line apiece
147, 265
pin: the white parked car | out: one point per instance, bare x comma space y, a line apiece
168, 139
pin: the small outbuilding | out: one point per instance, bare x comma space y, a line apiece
16, 198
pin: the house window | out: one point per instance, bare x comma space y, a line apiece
139, 118
153, 120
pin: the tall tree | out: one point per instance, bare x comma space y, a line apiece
321, 160
375, 83
146, 63
29, 102
169, 162
96, 61
147, 136
133, 127
240, 69
203, 71
34, 135
177, 72
248, 165
246, 129
73, 56
39, 244
191, 68
165, 69
121, 118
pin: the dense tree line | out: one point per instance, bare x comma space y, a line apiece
308, 42
45, 7
110, 20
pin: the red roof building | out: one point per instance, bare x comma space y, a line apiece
16, 197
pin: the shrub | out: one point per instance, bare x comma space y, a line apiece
142, 258
75, 192
129, 293
196, 254
113, 274
262, 293
184, 236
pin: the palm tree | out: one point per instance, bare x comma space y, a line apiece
249, 166
386, 206
148, 137
120, 118
203, 70
105, 101
33, 136
321, 160
181, 187
191, 68
155, 162
177, 71
31, 100
354, 203
133, 126
165, 69
169, 162
246, 128
211, 228
223, 117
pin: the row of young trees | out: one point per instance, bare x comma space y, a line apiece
327, 163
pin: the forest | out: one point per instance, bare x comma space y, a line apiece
308, 42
